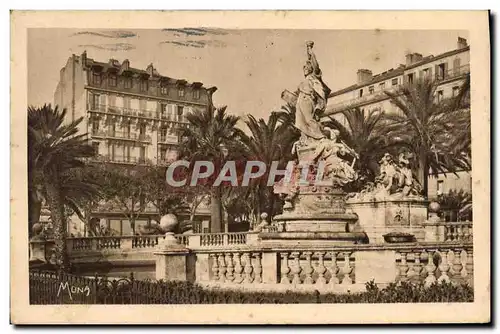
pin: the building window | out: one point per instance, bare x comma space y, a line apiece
95, 146
440, 75
142, 129
94, 101
95, 126
361, 93
164, 90
127, 82
180, 113
163, 154
410, 78
112, 80
382, 85
127, 130
455, 91
395, 81
196, 94
371, 89
96, 78
181, 92
144, 86
426, 73
440, 184
440, 95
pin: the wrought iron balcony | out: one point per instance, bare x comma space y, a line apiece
122, 159
140, 113
121, 135
168, 139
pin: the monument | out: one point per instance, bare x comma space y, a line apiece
393, 204
315, 207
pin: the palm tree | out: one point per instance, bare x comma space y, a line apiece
211, 133
424, 126
268, 141
55, 151
366, 135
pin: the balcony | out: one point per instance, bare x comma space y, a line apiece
451, 74
122, 159
168, 139
118, 135
139, 113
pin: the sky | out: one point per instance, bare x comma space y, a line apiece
250, 68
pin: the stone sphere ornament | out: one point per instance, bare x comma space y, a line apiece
168, 223
434, 207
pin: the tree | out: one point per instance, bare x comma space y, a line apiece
268, 142
55, 151
125, 189
423, 126
366, 135
211, 133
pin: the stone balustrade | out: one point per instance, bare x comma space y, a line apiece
327, 269
120, 243
440, 231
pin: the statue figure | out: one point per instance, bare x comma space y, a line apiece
394, 181
311, 100
330, 150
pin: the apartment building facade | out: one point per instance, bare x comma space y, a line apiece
132, 116
448, 69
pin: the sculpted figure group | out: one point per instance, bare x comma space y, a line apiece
322, 145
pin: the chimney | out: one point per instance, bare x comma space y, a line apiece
409, 58
125, 65
412, 58
417, 57
150, 69
364, 75
84, 58
461, 43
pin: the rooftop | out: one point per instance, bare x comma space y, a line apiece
394, 72
123, 68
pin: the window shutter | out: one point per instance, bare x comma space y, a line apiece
456, 66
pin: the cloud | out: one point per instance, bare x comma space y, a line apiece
109, 47
107, 34
178, 32
196, 44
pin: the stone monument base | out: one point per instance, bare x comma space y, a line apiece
380, 217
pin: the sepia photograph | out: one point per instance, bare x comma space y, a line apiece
332, 164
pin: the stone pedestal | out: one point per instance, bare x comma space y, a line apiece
174, 262
379, 266
38, 249
377, 218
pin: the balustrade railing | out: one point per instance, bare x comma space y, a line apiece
337, 268
449, 231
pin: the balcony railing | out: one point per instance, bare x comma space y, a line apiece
169, 139
380, 95
122, 159
121, 135
130, 112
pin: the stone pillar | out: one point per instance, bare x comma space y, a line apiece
37, 250
202, 272
194, 240
377, 265
270, 267
252, 238
174, 262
